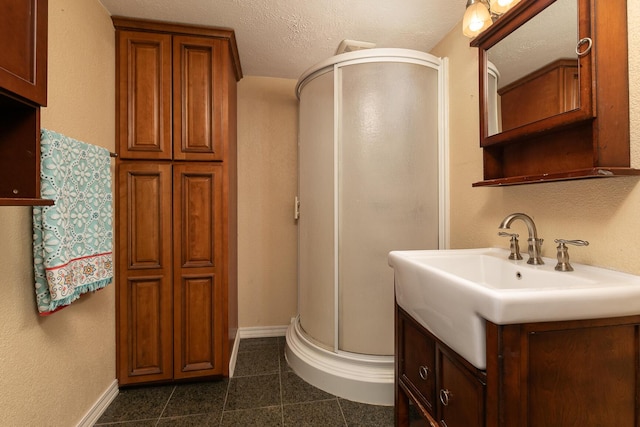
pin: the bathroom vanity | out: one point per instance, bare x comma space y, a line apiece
482, 340
571, 373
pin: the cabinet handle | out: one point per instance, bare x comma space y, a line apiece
445, 395
424, 372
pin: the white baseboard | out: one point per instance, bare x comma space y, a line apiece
100, 406
253, 332
263, 331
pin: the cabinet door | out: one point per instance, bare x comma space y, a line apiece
144, 95
584, 376
23, 62
144, 292
197, 98
460, 395
198, 306
417, 363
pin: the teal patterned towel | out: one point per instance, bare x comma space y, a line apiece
72, 240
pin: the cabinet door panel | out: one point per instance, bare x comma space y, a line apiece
418, 361
23, 63
144, 292
144, 95
150, 347
197, 98
198, 307
148, 219
583, 377
460, 396
198, 301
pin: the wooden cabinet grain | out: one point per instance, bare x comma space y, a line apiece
170, 299
563, 374
197, 270
23, 61
144, 95
549, 91
441, 384
177, 215
172, 82
23, 89
144, 287
589, 141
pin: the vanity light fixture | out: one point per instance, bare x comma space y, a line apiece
480, 14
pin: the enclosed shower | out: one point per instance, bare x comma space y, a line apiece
371, 165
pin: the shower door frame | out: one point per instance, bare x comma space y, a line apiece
390, 56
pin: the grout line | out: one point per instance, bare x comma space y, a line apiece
165, 405
342, 412
224, 402
280, 380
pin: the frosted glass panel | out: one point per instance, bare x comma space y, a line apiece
316, 290
388, 191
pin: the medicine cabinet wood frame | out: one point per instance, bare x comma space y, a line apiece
588, 142
23, 90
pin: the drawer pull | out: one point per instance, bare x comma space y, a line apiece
445, 395
424, 372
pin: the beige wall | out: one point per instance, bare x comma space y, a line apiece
53, 369
267, 185
603, 211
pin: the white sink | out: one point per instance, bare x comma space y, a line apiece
452, 292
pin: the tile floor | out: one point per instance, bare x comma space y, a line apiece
264, 392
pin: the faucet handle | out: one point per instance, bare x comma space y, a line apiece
572, 242
514, 246
563, 253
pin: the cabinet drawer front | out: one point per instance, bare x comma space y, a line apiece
418, 365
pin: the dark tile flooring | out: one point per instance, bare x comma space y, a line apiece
263, 392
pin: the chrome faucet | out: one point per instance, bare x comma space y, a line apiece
535, 244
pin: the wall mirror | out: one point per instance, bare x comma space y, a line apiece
533, 78
546, 114
535, 69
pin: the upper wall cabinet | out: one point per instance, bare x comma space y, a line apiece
23, 59
170, 83
23, 89
554, 101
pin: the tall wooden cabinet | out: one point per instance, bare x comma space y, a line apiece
176, 217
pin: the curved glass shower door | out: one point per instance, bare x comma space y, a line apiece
368, 184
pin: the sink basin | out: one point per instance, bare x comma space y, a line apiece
452, 292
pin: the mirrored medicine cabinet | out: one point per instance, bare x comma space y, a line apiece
554, 95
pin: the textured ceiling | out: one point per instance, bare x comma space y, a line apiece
282, 38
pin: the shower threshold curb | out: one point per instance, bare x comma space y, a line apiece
357, 377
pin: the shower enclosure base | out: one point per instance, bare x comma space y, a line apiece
357, 377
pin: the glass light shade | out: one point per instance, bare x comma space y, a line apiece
476, 19
501, 6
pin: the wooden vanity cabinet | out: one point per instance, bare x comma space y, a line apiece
561, 374
573, 373
23, 90
461, 391
446, 389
